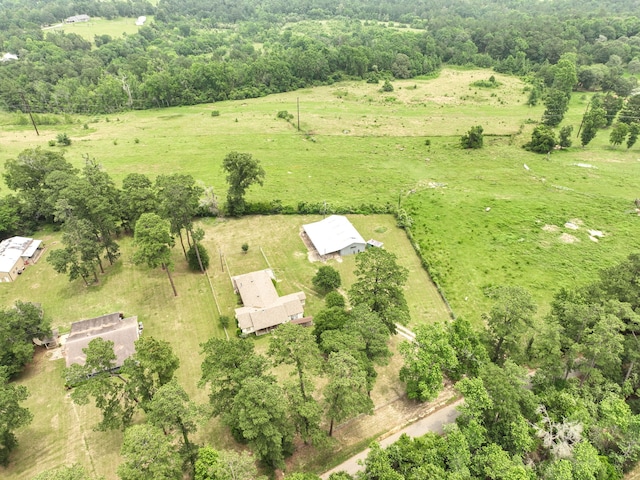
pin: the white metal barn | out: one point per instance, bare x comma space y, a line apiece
335, 234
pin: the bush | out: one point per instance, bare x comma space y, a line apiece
215, 113
387, 87
63, 139
335, 299
284, 115
473, 138
543, 140
245, 247
326, 279
224, 321
192, 257
52, 143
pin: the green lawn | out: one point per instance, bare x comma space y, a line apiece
100, 26
62, 432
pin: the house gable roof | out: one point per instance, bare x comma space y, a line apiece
262, 307
332, 234
13, 248
123, 332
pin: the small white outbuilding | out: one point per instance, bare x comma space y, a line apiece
335, 234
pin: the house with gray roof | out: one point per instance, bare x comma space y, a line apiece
123, 332
263, 309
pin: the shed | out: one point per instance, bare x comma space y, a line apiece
263, 309
374, 243
15, 254
77, 18
140, 21
7, 57
335, 234
123, 332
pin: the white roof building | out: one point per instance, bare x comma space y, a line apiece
7, 57
15, 254
335, 234
78, 18
140, 21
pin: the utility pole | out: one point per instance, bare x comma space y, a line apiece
28, 109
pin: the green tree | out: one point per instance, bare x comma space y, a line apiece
153, 240
293, 345
326, 279
179, 198
508, 320
13, 415
556, 103
629, 114
379, 286
148, 453
565, 136
469, 350
543, 140
227, 365
473, 138
425, 360
198, 259
18, 326
332, 318
634, 130
117, 393
592, 121
346, 393
171, 410
612, 104
242, 172
618, 134
261, 417
334, 299
138, 196
29, 175
565, 75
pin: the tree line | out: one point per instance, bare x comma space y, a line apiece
201, 52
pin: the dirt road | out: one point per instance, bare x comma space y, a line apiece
431, 423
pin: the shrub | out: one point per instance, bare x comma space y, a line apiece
334, 299
63, 139
285, 115
473, 138
192, 257
542, 140
245, 247
565, 136
224, 321
215, 113
326, 279
52, 143
387, 87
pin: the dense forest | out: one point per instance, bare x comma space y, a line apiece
196, 52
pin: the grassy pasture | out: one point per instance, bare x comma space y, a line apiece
62, 432
365, 146
100, 26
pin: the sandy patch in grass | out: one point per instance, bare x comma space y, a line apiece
571, 226
551, 228
584, 165
567, 238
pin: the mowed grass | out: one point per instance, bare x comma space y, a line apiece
100, 26
62, 433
